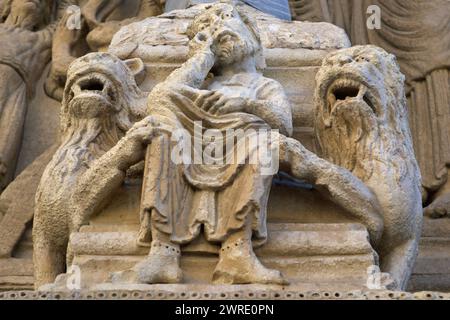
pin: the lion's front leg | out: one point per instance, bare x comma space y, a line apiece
106, 175
399, 261
334, 182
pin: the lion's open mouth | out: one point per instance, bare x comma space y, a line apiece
94, 86
91, 94
345, 90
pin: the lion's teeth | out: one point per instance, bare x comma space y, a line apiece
331, 100
362, 91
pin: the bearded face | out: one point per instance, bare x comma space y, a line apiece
101, 102
233, 41
361, 118
92, 129
91, 103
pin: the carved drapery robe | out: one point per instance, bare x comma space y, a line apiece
219, 197
23, 57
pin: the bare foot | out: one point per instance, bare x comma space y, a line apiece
238, 264
440, 207
161, 266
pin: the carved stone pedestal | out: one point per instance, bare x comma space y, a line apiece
309, 255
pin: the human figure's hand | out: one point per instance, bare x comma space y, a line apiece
202, 42
216, 103
68, 38
131, 148
25, 14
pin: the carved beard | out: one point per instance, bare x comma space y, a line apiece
357, 142
350, 140
84, 141
234, 50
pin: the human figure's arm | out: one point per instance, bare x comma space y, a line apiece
190, 76
64, 51
193, 72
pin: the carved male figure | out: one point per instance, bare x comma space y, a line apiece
227, 200
221, 86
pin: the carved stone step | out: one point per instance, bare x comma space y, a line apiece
284, 240
312, 254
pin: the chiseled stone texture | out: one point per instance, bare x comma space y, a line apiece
310, 255
144, 39
168, 292
96, 114
293, 53
424, 57
369, 167
362, 125
297, 252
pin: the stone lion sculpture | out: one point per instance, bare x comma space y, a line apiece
362, 125
101, 103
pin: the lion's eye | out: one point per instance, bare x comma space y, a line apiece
226, 15
362, 59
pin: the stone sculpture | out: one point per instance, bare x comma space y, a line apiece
26, 38
174, 213
362, 125
237, 98
102, 19
185, 164
98, 21
101, 103
423, 55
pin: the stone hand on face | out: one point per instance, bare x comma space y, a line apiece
233, 40
25, 14
224, 33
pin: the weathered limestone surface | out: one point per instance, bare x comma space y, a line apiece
89, 163
330, 222
88, 26
293, 53
346, 84
424, 58
26, 37
298, 250
362, 125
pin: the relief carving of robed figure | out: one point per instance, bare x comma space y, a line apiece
227, 199
370, 168
221, 85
